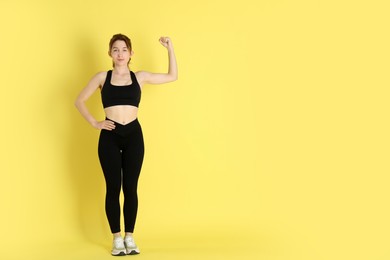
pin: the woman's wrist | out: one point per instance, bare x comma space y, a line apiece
170, 48
93, 123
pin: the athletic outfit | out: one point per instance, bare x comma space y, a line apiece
121, 153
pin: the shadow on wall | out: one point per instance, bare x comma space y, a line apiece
86, 178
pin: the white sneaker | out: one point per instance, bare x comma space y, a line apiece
131, 247
118, 247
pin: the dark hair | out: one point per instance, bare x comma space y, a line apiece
120, 37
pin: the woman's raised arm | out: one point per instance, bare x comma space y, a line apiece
145, 77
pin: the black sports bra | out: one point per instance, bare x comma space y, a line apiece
121, 95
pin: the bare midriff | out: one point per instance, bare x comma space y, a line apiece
122, 114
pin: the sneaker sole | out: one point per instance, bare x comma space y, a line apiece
133, 252
121, 253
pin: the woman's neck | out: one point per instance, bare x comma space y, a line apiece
121, 69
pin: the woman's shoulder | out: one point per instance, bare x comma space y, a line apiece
101, 74
100, 77
141, 74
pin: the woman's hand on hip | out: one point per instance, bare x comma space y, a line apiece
106, 125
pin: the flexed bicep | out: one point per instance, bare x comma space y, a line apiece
145, 77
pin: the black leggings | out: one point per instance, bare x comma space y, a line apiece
121, 153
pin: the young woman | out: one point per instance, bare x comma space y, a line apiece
121, 146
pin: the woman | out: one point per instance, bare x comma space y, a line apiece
121, 146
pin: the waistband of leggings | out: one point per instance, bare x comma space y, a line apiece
134, 122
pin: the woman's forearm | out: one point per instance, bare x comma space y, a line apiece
82, 108
172, 69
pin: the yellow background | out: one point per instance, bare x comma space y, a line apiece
273, 144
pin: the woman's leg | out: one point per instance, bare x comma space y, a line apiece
132, 158
111, 162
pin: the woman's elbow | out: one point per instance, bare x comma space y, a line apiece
174, 77
78, 102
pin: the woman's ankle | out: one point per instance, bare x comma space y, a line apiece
116, 235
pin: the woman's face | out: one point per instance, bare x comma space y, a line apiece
120, 54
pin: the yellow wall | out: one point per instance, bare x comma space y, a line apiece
275, 135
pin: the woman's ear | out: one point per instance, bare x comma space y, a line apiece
131, 53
